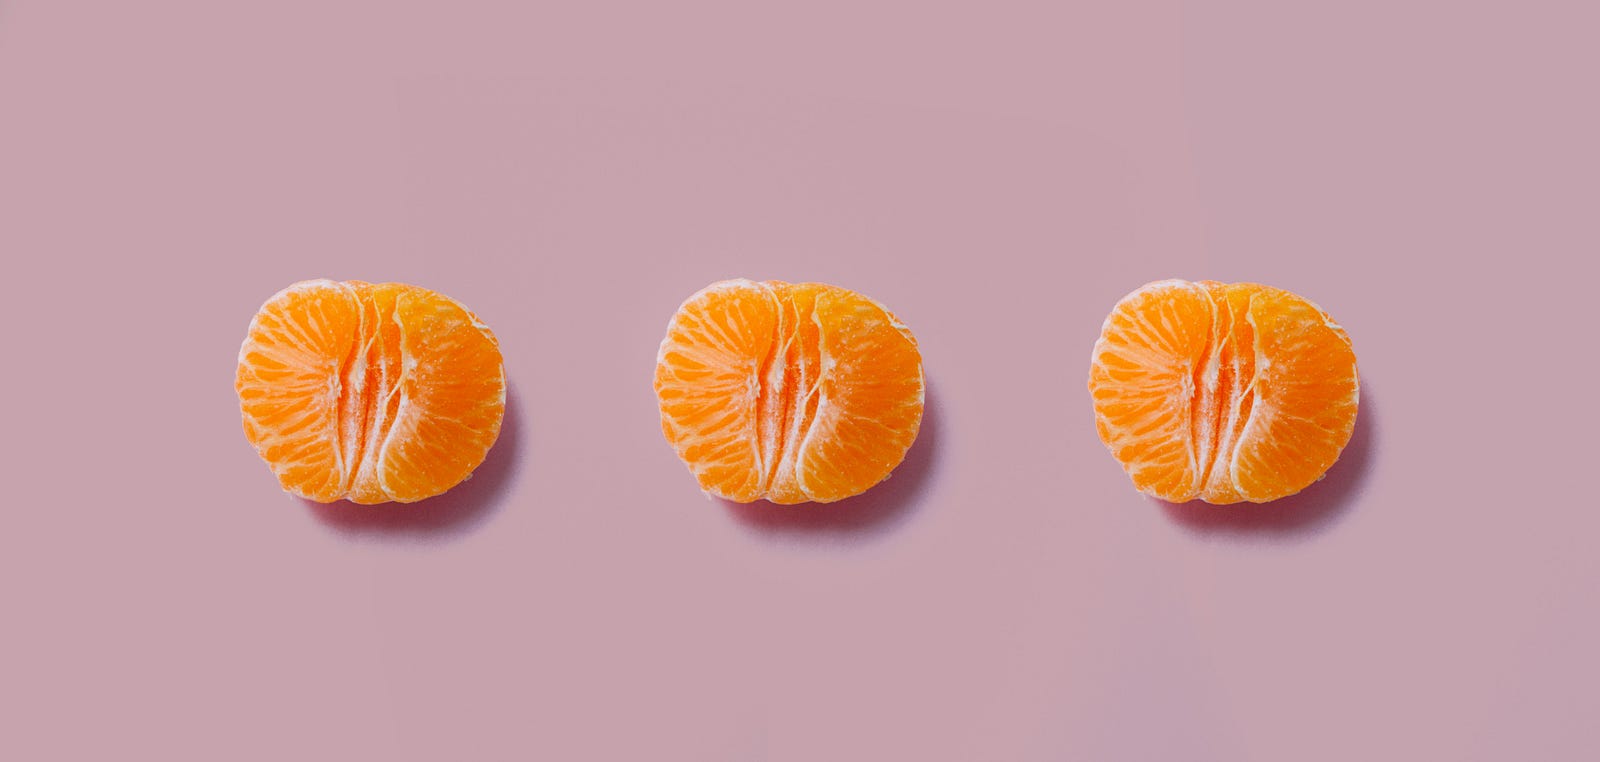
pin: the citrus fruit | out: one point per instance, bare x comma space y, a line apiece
1223, 392
369, 392
788, 392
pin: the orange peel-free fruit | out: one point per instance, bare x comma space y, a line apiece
788, 392
369, 392
1223, 392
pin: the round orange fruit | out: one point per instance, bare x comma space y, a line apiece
786, 392
369, 392
1223, 392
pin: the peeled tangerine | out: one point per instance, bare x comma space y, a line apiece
369, 392
1223, 392
788, 392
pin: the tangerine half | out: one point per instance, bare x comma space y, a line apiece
369, 392
786, 392
1223, 392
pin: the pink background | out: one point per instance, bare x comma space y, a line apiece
999, 174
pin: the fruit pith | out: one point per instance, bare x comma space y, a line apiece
369, 392
788, 392
1223, 392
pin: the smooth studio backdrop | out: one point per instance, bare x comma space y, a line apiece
997, 173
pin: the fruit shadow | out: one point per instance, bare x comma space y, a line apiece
454, 513
1311, 511
872, 513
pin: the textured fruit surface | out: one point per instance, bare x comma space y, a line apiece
369, 392
1223, 392
788, 392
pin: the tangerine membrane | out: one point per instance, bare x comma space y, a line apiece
788, 392
1223, 392
369, 392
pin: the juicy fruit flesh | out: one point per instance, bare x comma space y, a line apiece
788, 392
369, 392
1223, 392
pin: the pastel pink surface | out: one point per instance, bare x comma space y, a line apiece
999, 175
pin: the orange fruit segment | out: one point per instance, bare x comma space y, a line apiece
369, 392
788, 392
1223, 392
